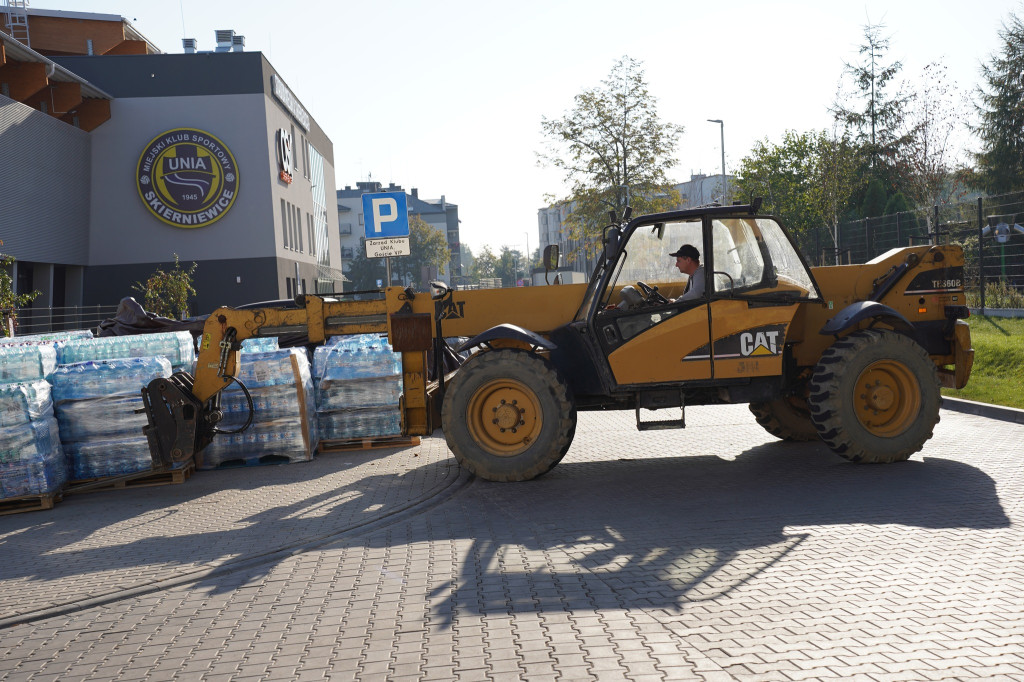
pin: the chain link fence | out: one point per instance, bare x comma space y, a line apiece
990, 230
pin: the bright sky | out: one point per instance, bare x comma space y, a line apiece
447, 96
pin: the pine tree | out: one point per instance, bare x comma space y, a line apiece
874, 116
1000, 108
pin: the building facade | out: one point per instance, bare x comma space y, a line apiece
208, 156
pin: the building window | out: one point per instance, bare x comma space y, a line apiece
345, 228
284, 222
318, 192
298, 228
360, 218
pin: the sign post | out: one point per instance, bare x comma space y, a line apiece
386, 227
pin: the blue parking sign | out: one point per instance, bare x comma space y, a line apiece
385, 214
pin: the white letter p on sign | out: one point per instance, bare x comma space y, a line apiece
379, 219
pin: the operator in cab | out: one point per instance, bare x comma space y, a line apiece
688, 262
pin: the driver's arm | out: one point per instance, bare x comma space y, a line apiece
696, 288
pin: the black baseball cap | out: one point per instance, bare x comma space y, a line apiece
687, 251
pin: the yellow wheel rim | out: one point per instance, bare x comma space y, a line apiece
887, 398
504, 417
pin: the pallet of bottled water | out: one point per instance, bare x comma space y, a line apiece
283, 425
31, 458
358, 388
49, 337
96, 403
177, 347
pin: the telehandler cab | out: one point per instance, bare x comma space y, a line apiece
853, 355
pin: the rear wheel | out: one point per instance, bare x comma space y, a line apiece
875, 397
508, 415
787, 418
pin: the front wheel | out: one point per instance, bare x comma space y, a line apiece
874, 397
508, 415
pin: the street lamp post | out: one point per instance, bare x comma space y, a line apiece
725, 179
529, 275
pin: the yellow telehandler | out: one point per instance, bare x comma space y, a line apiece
851, 354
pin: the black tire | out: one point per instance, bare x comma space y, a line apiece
508, 415
787, 418
874, 397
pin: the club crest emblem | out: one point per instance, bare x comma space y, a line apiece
187, 178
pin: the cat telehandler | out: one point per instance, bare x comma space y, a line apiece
852, 354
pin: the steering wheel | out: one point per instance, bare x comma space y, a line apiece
651, 295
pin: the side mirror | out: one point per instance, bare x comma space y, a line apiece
550, 259
611, 241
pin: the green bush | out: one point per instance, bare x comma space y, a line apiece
998, 294
10, 301
167, 293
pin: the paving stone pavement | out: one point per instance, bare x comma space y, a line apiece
713, 553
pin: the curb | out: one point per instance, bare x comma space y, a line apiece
1006, 414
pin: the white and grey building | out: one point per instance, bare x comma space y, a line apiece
209, 156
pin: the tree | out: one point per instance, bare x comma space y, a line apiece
167, 293
1000, 107
484, 265
783, 176
874, 199
614, 150
869, 112
9, 300
509, 266
807, 180
897, 204
428, 256
836, 179
928, 162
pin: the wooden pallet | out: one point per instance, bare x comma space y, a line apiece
143, 479
27, 503
368, 443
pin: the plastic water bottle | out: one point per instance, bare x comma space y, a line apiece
19, 363
102, 378
24, 402
31, 459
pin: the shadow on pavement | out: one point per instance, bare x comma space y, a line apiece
101, 542
610, 534
663, 533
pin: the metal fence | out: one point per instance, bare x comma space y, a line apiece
990, 230
37, 320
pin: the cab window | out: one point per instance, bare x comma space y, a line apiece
753, 255
646, 259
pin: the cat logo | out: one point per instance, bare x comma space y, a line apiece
187, 178
452, 310
759, 343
